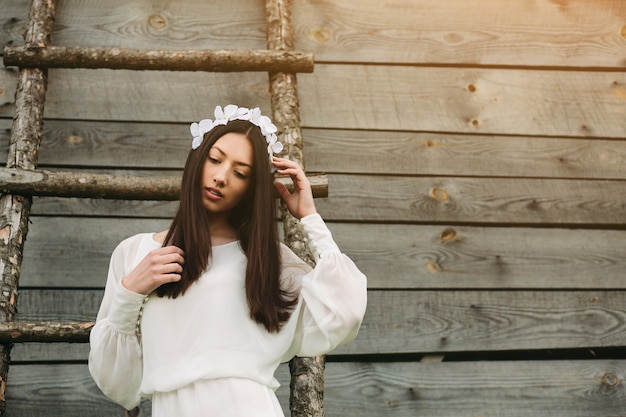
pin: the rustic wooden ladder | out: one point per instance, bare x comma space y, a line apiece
20, 180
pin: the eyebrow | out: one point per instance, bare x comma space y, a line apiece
236, 162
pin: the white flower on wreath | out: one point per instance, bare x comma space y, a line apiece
230, 112
273, 145
233, 112
198, 130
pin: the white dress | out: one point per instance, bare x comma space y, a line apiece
201, 354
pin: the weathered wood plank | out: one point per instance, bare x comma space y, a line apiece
513, 33
109, 208
417, 153
477, 101
74, 252
452, 321
524, 102
143, 23
408, 321
48, 304
58, 391
84, 248
450, 200
111, 144
14, 20
226, 24
165, 145
445, 257
49, 352
515, 389
116, 93
505, 389
474, 200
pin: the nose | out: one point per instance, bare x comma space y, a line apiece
219, 176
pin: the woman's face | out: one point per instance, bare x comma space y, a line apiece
227, 172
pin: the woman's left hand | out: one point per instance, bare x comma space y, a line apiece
300, 203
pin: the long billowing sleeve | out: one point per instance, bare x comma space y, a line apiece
333, 295
115, 358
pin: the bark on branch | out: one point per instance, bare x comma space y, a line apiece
160, 60
26, 134
307, 374
47, 332
118, 187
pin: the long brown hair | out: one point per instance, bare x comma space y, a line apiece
254, 219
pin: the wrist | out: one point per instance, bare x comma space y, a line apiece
125, 310
307, 213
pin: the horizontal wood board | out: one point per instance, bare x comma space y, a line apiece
474, 200
470, 100
74, 252
424, 200
443, 200
576, 33
494, 389
118, 145
410, 321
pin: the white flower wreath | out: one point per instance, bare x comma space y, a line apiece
234, 112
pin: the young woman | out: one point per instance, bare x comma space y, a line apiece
199, 317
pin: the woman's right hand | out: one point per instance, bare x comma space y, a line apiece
159, 267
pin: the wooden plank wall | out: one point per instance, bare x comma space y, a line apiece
476, 154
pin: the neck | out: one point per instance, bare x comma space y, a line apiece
222, 231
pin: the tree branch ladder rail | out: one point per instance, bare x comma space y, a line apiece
307, 374
26, 134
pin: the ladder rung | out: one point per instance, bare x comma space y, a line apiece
162, 60
22, 332
121, 187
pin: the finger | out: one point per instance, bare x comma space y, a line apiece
170, 249
172, 258
296, 175
171, 268
171, 278
283, 191
282, 163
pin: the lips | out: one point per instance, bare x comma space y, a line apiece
213, 194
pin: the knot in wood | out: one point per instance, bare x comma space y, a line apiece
74, 139
157, 21
438, 194
321, 35
447, 235
433, 267
609, 379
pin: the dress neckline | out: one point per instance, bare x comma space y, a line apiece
156, 242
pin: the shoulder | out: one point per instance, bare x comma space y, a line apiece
128, 247
125, 254
135, 240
